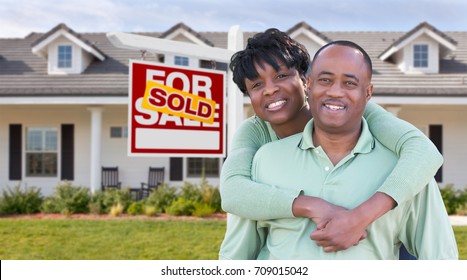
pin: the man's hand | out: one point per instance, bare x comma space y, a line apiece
337, 228
339, 231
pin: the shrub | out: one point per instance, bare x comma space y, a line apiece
150, 210
135, 208
116, 210
113, 197
68, 199
190, 191
211, 195
162, 198
181, 207
455, 200
202, 193
18, 201
202, 209
96, 205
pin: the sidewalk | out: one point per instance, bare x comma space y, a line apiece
458, 220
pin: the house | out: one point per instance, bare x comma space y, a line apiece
64, 100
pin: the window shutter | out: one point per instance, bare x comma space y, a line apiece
436, 136
176, 169
15, 151
67, 153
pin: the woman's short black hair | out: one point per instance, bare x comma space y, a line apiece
268, 47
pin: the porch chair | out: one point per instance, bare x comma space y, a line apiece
110, 178
155, 179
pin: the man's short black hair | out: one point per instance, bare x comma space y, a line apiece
352, 45
268, 47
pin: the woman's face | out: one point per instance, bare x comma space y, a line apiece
277, 96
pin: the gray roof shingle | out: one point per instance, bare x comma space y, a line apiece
24, 74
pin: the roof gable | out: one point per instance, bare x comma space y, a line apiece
181, 32
302, 28
422, 29
40, 46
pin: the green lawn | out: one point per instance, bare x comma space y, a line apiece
122, 239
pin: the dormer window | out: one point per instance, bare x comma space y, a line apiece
181, 60
420, 56
64, 56
66, 51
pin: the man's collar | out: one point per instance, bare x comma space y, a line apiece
365, 143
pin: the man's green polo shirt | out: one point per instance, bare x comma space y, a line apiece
294, 162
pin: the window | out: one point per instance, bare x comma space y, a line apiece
64, 56
118, 132
420, 56
208, 167
181, 60
41, 152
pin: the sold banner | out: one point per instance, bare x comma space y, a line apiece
176, 111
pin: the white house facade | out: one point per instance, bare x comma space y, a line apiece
64, 101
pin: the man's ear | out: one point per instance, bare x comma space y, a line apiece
309, 82
369, 92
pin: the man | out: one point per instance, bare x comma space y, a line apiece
338, 159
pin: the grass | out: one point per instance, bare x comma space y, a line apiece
122, 239
115, 239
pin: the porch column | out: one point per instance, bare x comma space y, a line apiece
96, 132
234, 95
394, 110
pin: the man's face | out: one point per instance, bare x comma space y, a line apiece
277, 96
340, 89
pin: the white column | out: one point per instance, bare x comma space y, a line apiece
96, 132
234, 95
394, 110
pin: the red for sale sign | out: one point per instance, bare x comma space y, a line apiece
176, 111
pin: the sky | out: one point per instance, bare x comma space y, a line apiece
18, 18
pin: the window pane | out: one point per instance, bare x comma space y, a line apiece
50, 140
34, 140
115, 132
64, 56
33, 164
203, 166
181, 60
420, 55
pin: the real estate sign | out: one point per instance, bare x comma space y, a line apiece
175, 111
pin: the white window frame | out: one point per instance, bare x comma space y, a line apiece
198, 171
421, 53
68, 61
182, 60
42, 150
122, 132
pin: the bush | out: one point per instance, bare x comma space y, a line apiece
18, 201
162, 197
202, 209
96, 205
150, 210
113, 197
181, 207
202, 193
211, 196
135, 208
68, 199
455, 200
116, 210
